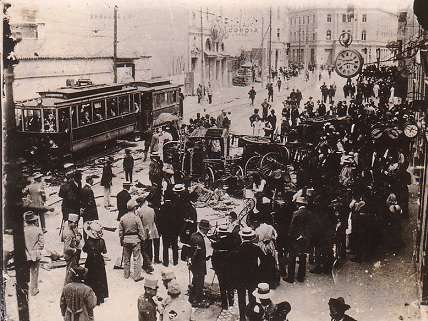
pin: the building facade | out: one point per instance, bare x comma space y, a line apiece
208, 59
314, 33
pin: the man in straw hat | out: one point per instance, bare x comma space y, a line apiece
263, 294
131, 235
338, 307
106, 180
77, 299
247, 261
34, 244
122, 198
299, 241
198, 263
72, 244
177, 308
147, 303
36, 192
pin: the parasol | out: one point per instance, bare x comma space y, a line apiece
165, 118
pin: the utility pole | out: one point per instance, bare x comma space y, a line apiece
270, 42
202, 55
13, 207
263, 37
115, 46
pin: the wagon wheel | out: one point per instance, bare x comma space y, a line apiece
270, 162
239, 172
209, 177
252, 165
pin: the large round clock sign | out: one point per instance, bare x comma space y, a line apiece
348, 63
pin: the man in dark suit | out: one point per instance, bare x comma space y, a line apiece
69, 192
122, 199
198, 263
88, 205
128, 165
299, 239
247, 269
338, 307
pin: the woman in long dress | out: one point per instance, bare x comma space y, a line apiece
95, 247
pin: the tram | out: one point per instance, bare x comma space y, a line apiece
62, 122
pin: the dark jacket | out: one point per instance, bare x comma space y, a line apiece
300, 230
69, 192
122, 199
170, 220
222, 254
246, 263
87, 203
128, 163
107, 176
199, 257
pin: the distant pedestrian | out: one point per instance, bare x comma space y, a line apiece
70, 194
265, 109
95, 247
199, 93
72, 245
34, 244
37, 197
122, 199
324, 92
331, 93
210, 93
77, 299
128, 165
130, 236
88, 210
106, 181
269, 88
180, 101
278, 83
252, 95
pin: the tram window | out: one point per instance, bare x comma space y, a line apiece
99, 110
85, 114
112, 108
18, 118
135, 103
124, 104
49, 118
64, 120
157, 101
32, 120
74, 116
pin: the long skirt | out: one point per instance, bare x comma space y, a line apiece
96, 277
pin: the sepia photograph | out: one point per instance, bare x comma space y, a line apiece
214, 160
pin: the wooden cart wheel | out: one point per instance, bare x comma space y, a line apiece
249, 205
252, 165
239, 171
209, 177
270, 162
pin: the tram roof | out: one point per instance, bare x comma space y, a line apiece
154, 85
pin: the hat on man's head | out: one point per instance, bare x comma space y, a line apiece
132, 203
38, 175
73, 218
173, 288
154, 154
179, 188
204, 224
262, 291
339, 304
29, 216
223, 229
151, 283
126, 184
167, 274
247, 233
68, 166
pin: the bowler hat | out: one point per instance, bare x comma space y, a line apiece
29, 216
262, 291
204, 224
73, 217
339, 303
151, 284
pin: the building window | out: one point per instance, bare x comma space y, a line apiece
303, 36
349, 18
300, 21
313, 36
26, 30
344, 18
277, 32
329, 18
364, 18
278, 13
328, 35
363, 35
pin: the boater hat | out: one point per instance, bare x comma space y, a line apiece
262, 291
73, 217
179, 188
247, 233
38, 175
